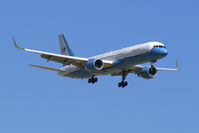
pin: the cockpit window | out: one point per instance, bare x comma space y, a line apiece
159, 46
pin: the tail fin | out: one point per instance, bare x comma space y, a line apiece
65, 48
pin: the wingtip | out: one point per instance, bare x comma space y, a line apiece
14, 41
32, 65
15, 44
177, 65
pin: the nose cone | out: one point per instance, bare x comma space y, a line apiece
160, 52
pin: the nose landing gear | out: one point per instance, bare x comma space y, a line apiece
152, 62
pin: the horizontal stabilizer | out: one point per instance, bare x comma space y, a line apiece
170, 69
48, 68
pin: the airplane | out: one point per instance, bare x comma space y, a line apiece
115, 63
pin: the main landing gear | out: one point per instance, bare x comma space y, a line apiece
92, 80
123, 83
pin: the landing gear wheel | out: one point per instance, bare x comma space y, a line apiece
122, 84
92, 80
125, 83
89, 81
119, 84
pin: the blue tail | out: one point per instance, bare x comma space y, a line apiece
64, 46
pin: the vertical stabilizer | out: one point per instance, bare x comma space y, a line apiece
64, 46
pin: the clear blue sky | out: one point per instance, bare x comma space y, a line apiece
34, 100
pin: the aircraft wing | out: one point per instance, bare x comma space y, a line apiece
137, 68
64, 59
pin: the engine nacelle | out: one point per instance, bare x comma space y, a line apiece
148, 72
94, 64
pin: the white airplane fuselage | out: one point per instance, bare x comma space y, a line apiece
123, 59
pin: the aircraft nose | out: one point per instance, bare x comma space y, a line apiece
160, 51
164, 52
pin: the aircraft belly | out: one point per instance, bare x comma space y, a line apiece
80, 74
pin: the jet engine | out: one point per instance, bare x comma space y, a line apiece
148, 72
94, 64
